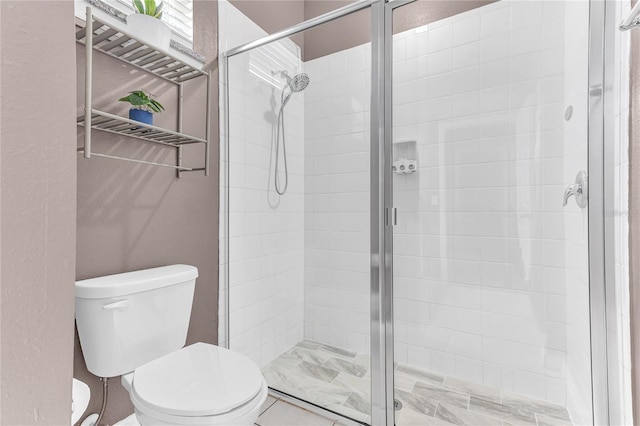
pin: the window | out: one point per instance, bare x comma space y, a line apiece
178, 14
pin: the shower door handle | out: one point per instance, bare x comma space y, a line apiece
578, 190
391, 216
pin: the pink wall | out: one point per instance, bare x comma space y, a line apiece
134, 216
274, 15
355, 29
350, 31
38, 188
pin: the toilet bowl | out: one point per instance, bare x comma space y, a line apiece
135, 325
201, 384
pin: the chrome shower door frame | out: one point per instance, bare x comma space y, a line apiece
381, 302
602, 235
601, 231
382, 214
381, 234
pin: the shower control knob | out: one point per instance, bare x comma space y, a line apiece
578, 190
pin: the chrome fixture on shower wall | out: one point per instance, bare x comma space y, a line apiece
578, 190
633, 20
295, 84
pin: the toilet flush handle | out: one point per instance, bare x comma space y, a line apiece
120, 305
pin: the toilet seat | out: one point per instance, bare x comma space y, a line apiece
197, 381
238, 416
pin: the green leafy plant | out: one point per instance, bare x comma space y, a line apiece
141, 100
148, 7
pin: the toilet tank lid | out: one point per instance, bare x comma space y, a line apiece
134, 282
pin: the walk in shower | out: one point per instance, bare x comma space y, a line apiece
418, 251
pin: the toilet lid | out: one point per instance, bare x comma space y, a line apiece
197, 380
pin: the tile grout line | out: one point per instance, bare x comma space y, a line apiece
436, 410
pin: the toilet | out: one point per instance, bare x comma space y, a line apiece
135, 325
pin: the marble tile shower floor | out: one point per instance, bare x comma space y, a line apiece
339, 380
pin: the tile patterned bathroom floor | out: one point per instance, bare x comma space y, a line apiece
276, 412
339, 380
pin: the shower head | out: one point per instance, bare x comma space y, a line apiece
296, 84
299, 82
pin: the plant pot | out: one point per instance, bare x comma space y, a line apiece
149, 30
141, 116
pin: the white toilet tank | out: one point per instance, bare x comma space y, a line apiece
129, 319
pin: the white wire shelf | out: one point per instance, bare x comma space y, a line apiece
118, 44
98, 35
112, 123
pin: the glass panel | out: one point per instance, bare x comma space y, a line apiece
491, 294
299, 263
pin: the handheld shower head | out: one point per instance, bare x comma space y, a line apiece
299, 82
296, 84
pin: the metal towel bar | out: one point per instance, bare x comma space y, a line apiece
132, 160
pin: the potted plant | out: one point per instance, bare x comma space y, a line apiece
143, 106
145, 23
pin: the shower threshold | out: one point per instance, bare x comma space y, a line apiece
339, 380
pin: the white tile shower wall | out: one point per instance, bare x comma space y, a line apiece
337, 263
265, 259
480, 262
479, 251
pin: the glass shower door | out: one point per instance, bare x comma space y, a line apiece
490, 263
299, 190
